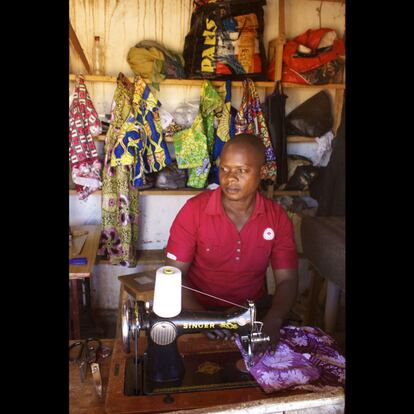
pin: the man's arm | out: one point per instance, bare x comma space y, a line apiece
188, 299
283, 300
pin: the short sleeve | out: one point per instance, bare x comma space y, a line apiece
182, 241
284, 254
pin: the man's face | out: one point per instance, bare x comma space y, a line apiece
239, 172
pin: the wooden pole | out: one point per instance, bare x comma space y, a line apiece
76, 44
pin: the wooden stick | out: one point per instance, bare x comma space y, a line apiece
75, 42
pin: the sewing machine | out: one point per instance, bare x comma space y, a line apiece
163, 368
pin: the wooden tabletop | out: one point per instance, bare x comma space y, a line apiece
89, 251
238, 400
82, 396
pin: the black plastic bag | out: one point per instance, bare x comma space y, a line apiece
274, 111
225, 41
312, 118
302, 178
171, 177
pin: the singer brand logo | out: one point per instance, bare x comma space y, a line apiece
196, 325
210, 40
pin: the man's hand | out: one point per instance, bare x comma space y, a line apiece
272, 329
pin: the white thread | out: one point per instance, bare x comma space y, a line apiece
214, 297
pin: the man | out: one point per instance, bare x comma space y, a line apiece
223, 240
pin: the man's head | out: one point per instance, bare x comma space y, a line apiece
241, 166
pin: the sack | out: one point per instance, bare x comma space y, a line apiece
171, 177
225, 41
295, 161
302, 178
313, 118
153, 61
314, 58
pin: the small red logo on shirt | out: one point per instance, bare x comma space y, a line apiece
269, 234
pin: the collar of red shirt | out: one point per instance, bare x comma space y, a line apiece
215, 207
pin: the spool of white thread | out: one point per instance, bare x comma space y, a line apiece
167, 292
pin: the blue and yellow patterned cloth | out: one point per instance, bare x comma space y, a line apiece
140, 140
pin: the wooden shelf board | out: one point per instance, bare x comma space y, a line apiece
290, 193
192, 191
300, 139
152, 256
198, 82
160, 191
291, 139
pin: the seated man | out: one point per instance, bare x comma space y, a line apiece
223, 240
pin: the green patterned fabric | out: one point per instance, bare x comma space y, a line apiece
193, 146
120, 208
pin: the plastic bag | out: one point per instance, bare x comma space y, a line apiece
302, 178
225, 41
186, 113
171, 177
312, 118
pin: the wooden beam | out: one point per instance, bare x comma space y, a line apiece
76, 44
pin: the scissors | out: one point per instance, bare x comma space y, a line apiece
88, 354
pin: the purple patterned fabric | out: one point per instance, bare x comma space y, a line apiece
304, 355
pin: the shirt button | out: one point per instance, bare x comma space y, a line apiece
207, 250
238, 250
237, 258
238, 241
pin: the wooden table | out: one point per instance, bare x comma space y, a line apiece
329, 400
82, 272
82, 396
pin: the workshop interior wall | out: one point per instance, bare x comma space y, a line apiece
121, 24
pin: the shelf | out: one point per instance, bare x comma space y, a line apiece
198, 82
299, 139
144, 257
193, 191
291, 139
290, 193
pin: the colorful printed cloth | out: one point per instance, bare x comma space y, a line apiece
194, 145
119, 197
223, 133
250, 120
304, 356
84, 124
140, 141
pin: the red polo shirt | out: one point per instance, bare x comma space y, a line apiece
226, 263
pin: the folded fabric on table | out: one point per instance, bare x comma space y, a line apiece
304, 355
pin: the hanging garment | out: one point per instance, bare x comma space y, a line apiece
223, 133
84, 124
250, 120
140, 141
194, 145
305, 357
275, 118
119, 197
190, 146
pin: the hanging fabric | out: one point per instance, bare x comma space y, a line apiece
119, 197
140, 141
250, 120
275, 105
194, 145
223, 132
84, 124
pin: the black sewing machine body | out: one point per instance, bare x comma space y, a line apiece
163, 367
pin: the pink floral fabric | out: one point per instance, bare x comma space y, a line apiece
304, 356
84, 124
